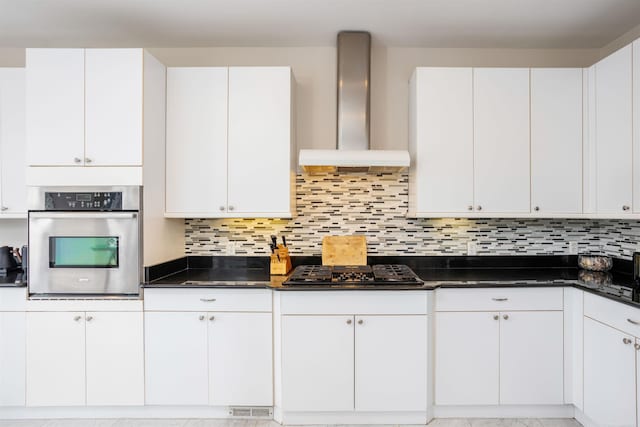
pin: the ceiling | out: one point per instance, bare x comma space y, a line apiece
411, 23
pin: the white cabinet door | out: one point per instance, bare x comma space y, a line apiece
115, 358
55, 360
390, 363
467, 358
441, 140
176, 358
317, 363
13, 163
260, 136
113, 107
636, 126
197, 140
614, 132
556, 140
609, 375
501, 136
531, 358
240, 359
55, 107
12, 358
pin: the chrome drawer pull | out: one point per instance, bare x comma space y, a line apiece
500, 299
207, 299
633, 322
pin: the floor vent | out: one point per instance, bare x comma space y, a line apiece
247, 412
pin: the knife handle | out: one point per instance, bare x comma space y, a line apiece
284, 241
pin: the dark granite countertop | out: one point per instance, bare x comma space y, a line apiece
15, 279
436, 272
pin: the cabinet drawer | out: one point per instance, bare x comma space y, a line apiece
207, 299
499, 299
612, 313
354, 302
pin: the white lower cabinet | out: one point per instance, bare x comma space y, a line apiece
176, 358
114, 358
531, 358
240, 359
84, 358
55, 359
12, 362
466, 358
200, 358
334, 360
390, 368
609, 375
502, 357
317, 363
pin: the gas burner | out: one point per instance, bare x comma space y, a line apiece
388, 274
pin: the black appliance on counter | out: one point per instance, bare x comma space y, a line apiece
359, 275
10, 260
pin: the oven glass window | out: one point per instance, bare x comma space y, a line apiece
83, 252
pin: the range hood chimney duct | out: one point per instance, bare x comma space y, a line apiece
353, 112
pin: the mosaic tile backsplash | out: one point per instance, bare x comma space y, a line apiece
376, 206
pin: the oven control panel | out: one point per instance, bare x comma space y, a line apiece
76, 201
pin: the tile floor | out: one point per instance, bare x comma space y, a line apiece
445, 422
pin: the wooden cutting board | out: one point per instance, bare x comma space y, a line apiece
344, 250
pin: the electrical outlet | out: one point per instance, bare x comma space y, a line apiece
573, 248
472, 248
231, 248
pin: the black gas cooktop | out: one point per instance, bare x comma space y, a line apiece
380, 274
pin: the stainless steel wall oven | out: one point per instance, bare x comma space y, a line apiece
85, 241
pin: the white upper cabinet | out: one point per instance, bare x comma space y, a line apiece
501, 137
196, 140
113, 107
636, 126
230, 150
556, 140
13, 190
613, 103
441, 140
84, 107
55, 106
260, 135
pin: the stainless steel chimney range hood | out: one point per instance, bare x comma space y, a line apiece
353, 153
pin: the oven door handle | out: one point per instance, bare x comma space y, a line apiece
83, 215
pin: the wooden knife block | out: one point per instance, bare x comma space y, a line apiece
280, 266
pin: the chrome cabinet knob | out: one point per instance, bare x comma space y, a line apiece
505, 317
625, 208
77, 160
360, 322
470, 207
89, 318
212, 318
4, 208
87, 160
77, 318
626, 340
202, 317
537, 208
231, 208
636, 346
479, 208
496, 317
222, 208
349, 322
